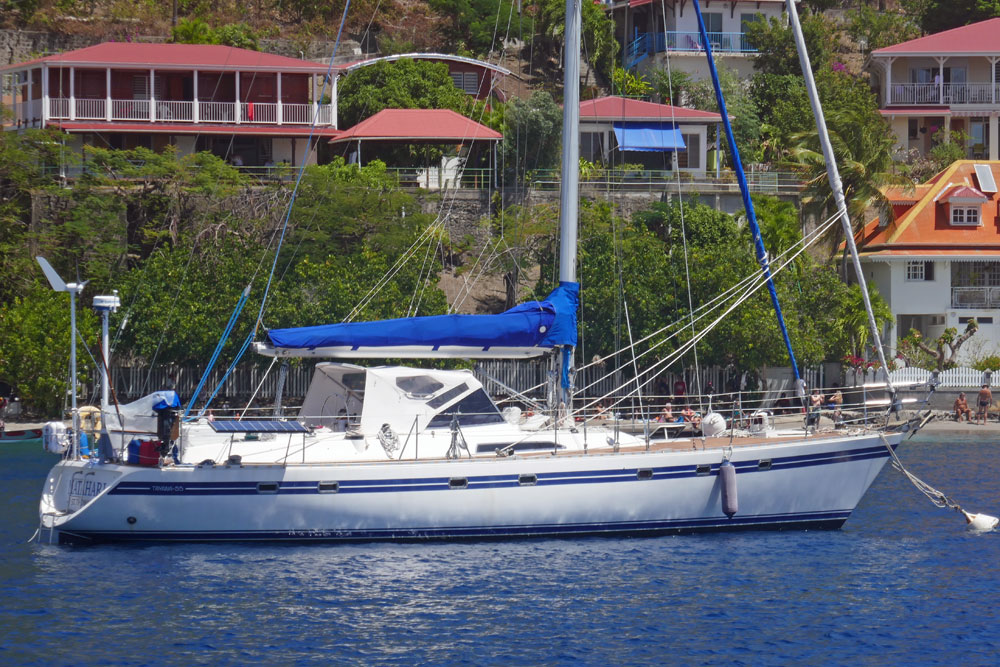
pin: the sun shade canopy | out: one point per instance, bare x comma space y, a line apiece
648, 136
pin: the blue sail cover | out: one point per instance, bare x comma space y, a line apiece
535, 324
648, 136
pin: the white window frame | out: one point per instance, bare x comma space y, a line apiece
915, 271
964, 215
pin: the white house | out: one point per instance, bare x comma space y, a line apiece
938, 264
618, 130
650, 31
946, 81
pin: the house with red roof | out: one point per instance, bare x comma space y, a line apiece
946, 81
651, 31
469, 147
618, 130
245, 106
938, 263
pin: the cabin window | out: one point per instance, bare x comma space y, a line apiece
448, 396
965, 215
419, 386
919, 271
517, 446
474, 409
527, 480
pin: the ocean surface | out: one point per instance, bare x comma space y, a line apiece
902, 583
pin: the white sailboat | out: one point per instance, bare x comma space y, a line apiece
402, 453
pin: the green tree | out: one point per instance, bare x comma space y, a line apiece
28, 162
597, 32
35, 345
784, 111
532, 134
852, 318
862, 145
671, 87
947, 149
192, 31
940, 15
239, 35
477, 25
875, 29
629, 84
342, 207
643, 261
403, 84
776, 49
741, 106
944, 352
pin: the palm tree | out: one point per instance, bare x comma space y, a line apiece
863, 145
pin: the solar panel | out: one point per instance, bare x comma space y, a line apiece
985, 176
257, 426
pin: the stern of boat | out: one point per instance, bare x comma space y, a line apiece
70, 487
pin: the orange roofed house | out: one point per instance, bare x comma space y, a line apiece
245, 106
938, 263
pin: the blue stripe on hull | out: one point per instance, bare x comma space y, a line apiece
486, 481
817, 520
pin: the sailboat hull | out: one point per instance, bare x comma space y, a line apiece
813, 483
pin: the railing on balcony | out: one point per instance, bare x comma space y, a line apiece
129, 109
685, 40
171, 111
947, 93
975, 297
767, 182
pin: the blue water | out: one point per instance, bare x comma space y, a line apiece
902, 583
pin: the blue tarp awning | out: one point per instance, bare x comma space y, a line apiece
648, 136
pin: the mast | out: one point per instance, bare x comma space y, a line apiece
833, 174
569, 189
747, 201
105, 305
570, 178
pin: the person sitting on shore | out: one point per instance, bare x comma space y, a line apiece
984, 402
962, 408
667, 414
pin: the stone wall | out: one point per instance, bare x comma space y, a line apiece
19, 45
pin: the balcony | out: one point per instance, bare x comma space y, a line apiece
975, 297
168, 111
943, 94
648, 43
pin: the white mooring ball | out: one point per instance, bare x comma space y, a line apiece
981, 522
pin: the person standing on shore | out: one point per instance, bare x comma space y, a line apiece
836, 400
985, 400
